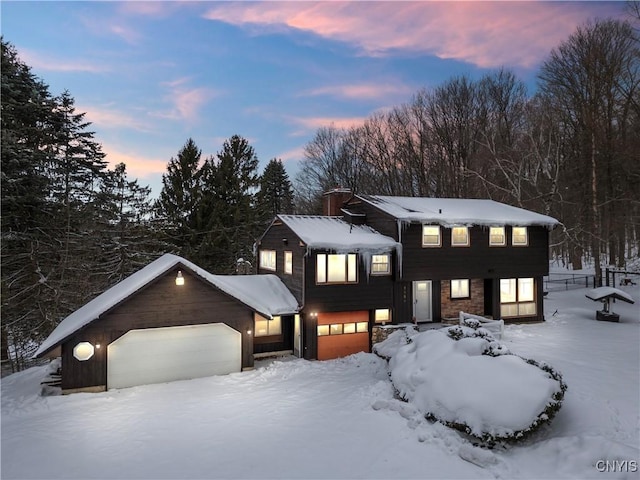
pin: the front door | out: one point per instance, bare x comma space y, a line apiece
422, 311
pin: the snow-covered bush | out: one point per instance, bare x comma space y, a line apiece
462, 377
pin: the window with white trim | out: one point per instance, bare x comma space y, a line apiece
517, 297
431, 236
519, 236
460, 288
460, 237
268, 259
336, 268
265, 327
381, 264
288, 262
497, 237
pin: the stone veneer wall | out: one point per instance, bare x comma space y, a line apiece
450, 308
379, 333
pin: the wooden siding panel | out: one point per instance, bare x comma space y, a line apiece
160, 304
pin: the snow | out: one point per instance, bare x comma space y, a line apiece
457, 211
264, 293
333, 233
601, 293
338, 419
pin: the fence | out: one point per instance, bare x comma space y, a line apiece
568, 281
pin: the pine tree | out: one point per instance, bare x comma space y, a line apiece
176, 209
228, 211
276, 192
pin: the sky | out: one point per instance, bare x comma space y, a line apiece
151, 75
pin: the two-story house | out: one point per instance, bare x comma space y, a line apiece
380, 259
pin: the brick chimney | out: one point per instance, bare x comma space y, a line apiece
334, 200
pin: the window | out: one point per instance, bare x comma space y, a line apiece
460, 236
349, 328
460, 288
288, 262
336, 268
268, 259
382, 315
265, 327
323, 330
83, 351
496, 236
342, 328
430, 235
517, 297
380, 264
519, 236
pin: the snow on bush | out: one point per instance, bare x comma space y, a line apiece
462, 377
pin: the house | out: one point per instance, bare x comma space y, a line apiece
172, 320
373, 260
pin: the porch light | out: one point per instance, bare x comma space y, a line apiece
179, 278
249, 332
97, 346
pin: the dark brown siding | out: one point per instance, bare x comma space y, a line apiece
281, 238
160, 304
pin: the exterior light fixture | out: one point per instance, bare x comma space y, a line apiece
179, 278
249, 332
97, 346
314, 314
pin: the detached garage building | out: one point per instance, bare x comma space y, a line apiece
169, 321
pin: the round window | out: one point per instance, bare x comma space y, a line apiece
83, 351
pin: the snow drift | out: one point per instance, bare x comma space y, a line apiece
462, 377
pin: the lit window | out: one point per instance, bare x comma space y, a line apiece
288, 262
83, 351
265, 327
430, 236
517, 297
335, 329
349, 328
380, 264
268, 259
519, 236
496, 236
460, 288
460, 236
382, 315
323, 330
362, 327
336, 268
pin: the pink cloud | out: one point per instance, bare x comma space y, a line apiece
293, 155
313, 123
360, 91
186, 101
487, 34
107, 118
138, 166
39, 62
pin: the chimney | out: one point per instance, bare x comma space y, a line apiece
334, 200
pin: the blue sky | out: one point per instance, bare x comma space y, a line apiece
150, 75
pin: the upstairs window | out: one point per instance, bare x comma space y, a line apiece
460, 288
380, 264
497, 237
336, 268
268, 259
288, 263
431, 236
519, 236
460, 236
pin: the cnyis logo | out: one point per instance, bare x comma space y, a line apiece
618, 466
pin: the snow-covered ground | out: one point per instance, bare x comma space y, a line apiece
293, 418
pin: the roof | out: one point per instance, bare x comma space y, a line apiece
333, 233
602, 293
457, 211
266, 294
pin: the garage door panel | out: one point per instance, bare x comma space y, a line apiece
173, 353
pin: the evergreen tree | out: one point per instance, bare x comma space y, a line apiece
276, 192
228, 211
177, 206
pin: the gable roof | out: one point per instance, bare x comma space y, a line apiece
333, 233
266, 294
457, 211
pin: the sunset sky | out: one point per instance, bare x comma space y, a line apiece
152, 74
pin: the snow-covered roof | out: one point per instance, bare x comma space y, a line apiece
266, 294
333, 233
457, 211
602, 293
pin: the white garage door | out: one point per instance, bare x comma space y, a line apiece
156, 355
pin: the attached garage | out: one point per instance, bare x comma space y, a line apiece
169, 321
156, 355
342, 333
